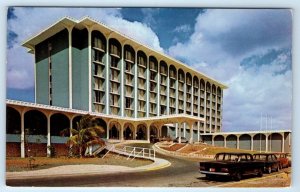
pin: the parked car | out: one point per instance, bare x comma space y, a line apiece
271, 163
183, 140
233, 165
283, 159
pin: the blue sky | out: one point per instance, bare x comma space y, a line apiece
247, 49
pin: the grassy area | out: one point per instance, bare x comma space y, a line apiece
22, 164
202, 149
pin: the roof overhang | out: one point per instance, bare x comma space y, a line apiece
157, 120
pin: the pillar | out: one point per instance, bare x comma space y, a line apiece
70, 66
191, 125
176, 129
179, 135
90, 67
238, 142
282, 149
48, 136
213, 140
198, 126
251, 142
107, 77
225, 143
136, 86
184, 130
22, 135
122, 95
267, 137
121, 134
107, 131
148, 132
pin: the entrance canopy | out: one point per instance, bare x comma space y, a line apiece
157, 120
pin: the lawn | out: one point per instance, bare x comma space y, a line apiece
22, 164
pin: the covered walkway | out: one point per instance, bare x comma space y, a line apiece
40, 125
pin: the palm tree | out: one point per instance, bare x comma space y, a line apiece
87, 133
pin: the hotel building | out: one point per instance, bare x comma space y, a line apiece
83, 66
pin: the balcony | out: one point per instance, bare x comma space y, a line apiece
98, 62
129, 83
115, 68
115, 80
143, 65
141, 75
100, 48
100, 75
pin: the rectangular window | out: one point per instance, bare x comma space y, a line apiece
152, 86
128, 66
129, 56
141, 61
114, 61
114, 50
128, 103
152, 75
98, 56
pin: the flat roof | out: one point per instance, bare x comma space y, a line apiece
87, 21
164, 119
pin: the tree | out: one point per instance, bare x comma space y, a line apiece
87, 133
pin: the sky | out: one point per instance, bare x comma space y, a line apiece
249, 50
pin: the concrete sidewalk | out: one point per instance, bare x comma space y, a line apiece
90, 169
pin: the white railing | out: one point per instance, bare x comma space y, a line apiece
132, 152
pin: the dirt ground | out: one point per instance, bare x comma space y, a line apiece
23, 164
279, 180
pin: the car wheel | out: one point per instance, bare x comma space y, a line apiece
238, 176
260, 173
209, 176
269, 170
278, 168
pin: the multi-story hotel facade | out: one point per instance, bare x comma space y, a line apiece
83, 66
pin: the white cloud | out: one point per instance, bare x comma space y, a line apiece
31, 21
182, 28
221, 40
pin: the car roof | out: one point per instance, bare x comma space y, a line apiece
264, 154
233, 153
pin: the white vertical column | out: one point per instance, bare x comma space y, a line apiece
204, 106
238, 142
107, 79
179, 135
107, 130
136, 87
176, 129
90, 66
191, 125
267, 142
198, 131
122, 131
147, 88
48, 135
158, 88
176, 93
225, 143
70, 68
282, 149
251, 142
122, 95
168, 91
148, 133
22, 135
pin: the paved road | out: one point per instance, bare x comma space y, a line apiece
182, 173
